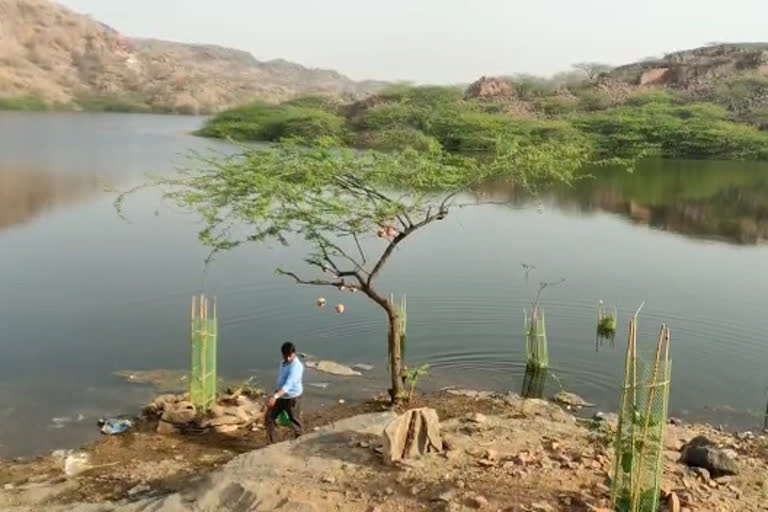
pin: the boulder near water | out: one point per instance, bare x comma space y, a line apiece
411, 435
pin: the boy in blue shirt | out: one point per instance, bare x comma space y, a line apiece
286, 397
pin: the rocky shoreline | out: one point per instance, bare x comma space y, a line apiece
496, 452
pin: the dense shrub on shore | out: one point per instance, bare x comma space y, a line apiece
653, 122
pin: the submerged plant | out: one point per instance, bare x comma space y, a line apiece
606, 324
536, 351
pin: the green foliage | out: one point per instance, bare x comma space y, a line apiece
663, 96
24, 103
555, 106
259, 121
591, 100
412, 377
739, 93
688, 131
323, 103
429, 119
107, 103
395, 138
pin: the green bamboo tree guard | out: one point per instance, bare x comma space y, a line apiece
639, 445
203, 337
536, 352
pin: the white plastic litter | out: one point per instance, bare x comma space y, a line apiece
76, 463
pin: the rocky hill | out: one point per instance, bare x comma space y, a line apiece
697, 68
50, 52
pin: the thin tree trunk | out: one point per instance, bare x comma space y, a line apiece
397, 391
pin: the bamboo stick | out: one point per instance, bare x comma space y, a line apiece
648, 407
622, 411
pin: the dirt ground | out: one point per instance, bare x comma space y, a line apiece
503, 453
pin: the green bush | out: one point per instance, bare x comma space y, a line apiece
557, 105
259, 121
25, 103
691, 131
592, 100
323, 103
106, 103
394, 139
739, 93
665, 96
428, 118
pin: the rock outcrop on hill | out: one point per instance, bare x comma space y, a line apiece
53, 53
697, 68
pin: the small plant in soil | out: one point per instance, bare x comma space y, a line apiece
412, 377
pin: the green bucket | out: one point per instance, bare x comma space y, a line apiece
283, 419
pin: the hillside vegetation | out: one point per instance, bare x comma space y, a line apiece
644, 123
54, 58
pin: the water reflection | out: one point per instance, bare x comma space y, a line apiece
533, 382
715, 200
27, 193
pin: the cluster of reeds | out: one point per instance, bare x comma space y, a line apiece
533, 382
642, 421
536, 354
203, 337
606, 325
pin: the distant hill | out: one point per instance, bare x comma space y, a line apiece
58, 56
699, 68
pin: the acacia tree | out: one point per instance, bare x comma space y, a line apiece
337, 199
592, 69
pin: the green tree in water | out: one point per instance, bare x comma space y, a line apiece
353, 208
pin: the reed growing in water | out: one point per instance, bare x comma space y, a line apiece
606, 325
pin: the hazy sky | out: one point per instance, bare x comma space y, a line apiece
440, 41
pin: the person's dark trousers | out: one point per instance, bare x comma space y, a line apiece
292, 406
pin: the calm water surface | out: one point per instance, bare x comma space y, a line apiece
84, 294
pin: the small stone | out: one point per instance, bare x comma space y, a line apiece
479, 501
445, 496
673, 503
341, 401
486, 463
542, 506
329, 479
166, 428
139, 489
492, 455
460, 484
8, 487
226, 429
676, 422
478, 418
389, 491
364, 444
701, 473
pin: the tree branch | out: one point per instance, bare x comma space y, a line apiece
314, 282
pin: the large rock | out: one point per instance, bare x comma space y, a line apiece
415, 433
180, 413
333, 368
571, 400
701, 453
488, 87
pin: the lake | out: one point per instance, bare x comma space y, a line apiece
84, 294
